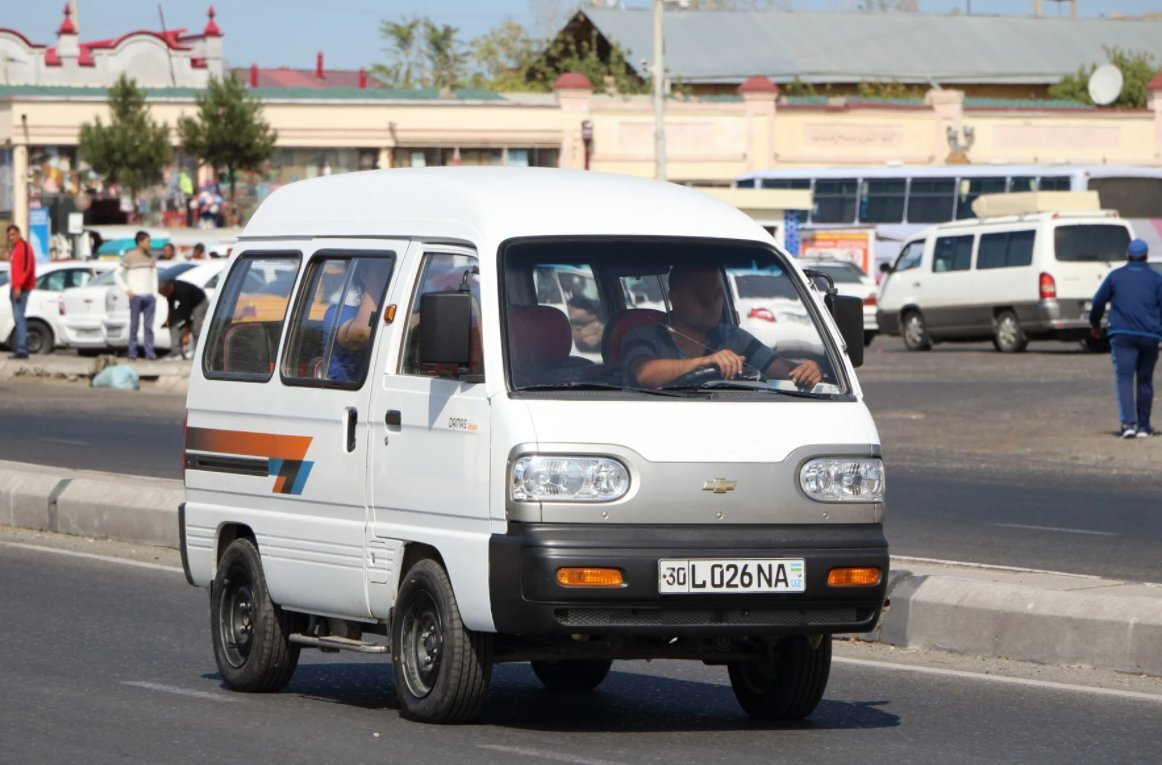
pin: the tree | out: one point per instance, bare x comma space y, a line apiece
442, 50
1138, 68
608, 73
502, 56
228, 131
132, 150
406, 68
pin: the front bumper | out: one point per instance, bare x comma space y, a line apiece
527, 600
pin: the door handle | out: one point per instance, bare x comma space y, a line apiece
352, 421
393, 418
915, 284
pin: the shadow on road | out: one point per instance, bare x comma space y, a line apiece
625, 702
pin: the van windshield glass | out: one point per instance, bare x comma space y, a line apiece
1088, 244
650, 316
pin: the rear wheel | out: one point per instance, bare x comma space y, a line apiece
251, 634
915, 332
441, 667
786, 687
1008, 337
40, 338
573, 674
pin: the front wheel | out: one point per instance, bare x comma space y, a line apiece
441, 667
1008, 336
786, 687
572, 674
251, 634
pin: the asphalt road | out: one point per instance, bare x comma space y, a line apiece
111, 663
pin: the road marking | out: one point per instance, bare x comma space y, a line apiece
1045, 684
92, 556
544, 754
1058, 528
988, 566
64, 441
179, 691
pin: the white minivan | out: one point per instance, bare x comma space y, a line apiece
1012, 279
397, 448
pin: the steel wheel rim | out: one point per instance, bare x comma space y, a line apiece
422, 636
914, 329
236, 617
35, 342
1008, 331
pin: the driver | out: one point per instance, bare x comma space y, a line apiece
696, 339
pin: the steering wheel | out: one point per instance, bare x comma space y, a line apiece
695, 378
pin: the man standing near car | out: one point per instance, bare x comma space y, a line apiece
137, 275
22, 277
187, 309
1134, 294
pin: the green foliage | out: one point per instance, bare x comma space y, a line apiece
406, 67
228, 131
422, 54
503, 57
609, 73
1138, 68
132, 150
893, 89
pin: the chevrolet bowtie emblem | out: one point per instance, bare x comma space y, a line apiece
719, 485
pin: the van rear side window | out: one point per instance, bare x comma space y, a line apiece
1009, 249
1089, 244
242, 342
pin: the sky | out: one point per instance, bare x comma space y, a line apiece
274, 33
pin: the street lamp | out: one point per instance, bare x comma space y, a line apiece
659, 73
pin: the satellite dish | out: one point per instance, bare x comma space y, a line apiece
1105, 84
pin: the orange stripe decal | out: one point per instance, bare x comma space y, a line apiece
250, 444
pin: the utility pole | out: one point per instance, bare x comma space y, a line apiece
659, 72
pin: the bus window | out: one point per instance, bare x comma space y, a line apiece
1131, 197
834, 200
971, 188
747, 183
1022, 183
931, 200
882, 200
1054, 183
786, 183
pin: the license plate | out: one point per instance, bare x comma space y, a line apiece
731, 575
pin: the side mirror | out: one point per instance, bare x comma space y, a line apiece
848, 313
446, 328
885, 268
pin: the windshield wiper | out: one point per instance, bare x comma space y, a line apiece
750, 385
678, 393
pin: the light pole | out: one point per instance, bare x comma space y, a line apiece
659, 72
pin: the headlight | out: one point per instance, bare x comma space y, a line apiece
843, 479
537, 478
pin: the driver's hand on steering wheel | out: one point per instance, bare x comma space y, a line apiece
728, 363
806, 375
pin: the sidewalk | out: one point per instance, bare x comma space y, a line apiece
168, 374
989, 611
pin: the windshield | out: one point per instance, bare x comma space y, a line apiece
1089, 244
102, 280
840, 273
661, 315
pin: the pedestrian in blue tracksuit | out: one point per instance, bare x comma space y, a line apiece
1134, 294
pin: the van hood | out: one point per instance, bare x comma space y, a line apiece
699, 430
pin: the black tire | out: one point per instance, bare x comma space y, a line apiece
251, 634
40, 338
787, 687
1008, 337
572, 674
441, 667
868, 336
914, 330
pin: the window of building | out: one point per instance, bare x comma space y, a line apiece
443, 157
835, 200
748, 183
336, 319
952, 253
1005, 250
242, 340
931, 200
785, 183
971, 188
444, 272
882, 200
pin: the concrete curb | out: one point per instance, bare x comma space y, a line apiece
989, 611
163, 374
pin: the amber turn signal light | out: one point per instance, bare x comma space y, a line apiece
589, 577
860, 576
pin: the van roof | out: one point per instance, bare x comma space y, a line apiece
1095, 216
477, 204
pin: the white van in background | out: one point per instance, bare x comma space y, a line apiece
1011, 279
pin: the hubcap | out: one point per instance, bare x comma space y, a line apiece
914, 330
1008, 332
422, 638
236, 618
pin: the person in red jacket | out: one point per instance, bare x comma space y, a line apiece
22, 275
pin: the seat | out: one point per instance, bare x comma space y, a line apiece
538, 334
617, 330
246, 349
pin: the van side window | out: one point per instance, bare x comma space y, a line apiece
443, 272
910, 257
1009, 249
242, 341
335, 320
952, 253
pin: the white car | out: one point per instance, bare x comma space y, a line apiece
770, 309
850, 279
83, 310
115, 322
45, 325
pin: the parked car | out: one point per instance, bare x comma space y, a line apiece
115, 323
850, 279
115, 249
45, 325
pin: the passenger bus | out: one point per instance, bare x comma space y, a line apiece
898, 201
